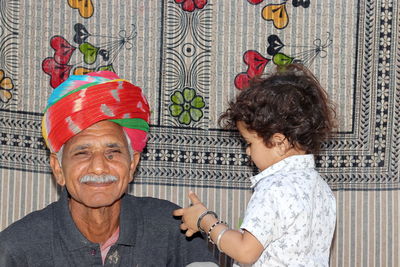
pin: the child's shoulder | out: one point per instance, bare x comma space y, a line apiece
289, 183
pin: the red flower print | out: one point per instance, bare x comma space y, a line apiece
255, 2
191, 5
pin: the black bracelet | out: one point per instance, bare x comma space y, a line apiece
202, 216
212, 227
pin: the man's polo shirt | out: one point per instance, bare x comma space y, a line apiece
149, 236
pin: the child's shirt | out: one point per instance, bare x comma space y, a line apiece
292, 212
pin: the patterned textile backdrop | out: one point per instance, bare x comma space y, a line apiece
191, 57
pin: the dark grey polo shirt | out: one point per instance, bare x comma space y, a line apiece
149, 236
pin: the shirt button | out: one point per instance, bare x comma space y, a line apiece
93, 252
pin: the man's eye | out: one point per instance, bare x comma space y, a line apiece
81, 153
111, 153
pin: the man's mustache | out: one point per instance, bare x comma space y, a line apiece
106, 178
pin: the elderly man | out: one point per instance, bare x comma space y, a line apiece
95, 127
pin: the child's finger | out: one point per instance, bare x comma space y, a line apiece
189, 233
193, 197
183, 227
178, 212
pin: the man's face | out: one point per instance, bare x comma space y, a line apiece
99, 150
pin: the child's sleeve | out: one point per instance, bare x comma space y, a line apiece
261, 209
270, 212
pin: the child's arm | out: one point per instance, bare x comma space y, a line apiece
243, 247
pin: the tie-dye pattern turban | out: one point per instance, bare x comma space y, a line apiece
83, 100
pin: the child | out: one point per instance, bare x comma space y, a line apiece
291, 216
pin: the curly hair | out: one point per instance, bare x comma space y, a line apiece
291, 101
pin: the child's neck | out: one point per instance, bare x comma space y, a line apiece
294, 151
289, 153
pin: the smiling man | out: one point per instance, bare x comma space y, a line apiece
95, 126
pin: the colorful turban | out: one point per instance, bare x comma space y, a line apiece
83, 100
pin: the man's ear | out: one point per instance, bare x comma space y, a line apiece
134, 163
57, 170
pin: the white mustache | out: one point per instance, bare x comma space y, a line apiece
106, 178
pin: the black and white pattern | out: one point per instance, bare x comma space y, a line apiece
9, 34
366, 156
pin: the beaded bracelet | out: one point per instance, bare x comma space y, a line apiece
202, 216
211, 228
219, 238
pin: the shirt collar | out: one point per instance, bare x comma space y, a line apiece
130, 220
74, 239
288, 164
66, 228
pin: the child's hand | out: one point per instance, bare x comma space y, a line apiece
190, 215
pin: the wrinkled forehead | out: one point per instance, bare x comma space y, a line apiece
103, 133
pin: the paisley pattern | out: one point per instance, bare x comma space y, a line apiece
6, 86
85, 7
93, 57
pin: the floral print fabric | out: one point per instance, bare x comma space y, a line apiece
292, 213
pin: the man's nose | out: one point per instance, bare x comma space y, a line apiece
98, 163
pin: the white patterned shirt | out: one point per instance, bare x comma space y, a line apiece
292, 212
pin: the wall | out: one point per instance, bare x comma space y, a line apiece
165, 47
